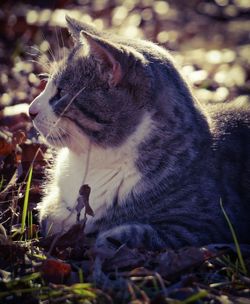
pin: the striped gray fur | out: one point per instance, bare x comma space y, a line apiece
192, 157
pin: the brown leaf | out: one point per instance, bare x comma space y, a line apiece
11, 253
9, 142
55, 271
123, 257
15, 117
172, 262
6, 144
72, 244
33, 153
83, 201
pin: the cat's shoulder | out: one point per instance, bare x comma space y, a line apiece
231, 118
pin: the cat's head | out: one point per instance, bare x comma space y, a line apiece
98, 92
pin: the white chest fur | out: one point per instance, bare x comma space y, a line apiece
111, 173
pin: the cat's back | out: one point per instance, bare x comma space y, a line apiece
231, 148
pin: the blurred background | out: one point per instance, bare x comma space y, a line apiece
210, 40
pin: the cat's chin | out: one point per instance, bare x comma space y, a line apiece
56, 141
78, 147
62, 135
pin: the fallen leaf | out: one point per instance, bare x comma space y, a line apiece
9, 142
55, 271
172, 262
123, 257
83, 201
71, 244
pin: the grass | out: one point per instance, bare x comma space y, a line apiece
1, 182
26, 201
80, 274
133, 289
235, 239
83, 292
198, 296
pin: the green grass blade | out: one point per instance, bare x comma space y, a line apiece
30, 224
80, 275
239, 254
24, 279
26, 200
198, 296
1, 182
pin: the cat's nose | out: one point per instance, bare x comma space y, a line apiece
32, 113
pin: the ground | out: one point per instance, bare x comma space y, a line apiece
211, 43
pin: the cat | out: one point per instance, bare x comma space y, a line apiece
158, 163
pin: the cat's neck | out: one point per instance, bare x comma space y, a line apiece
111, 173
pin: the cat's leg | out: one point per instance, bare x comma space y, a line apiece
54, 216
133, 235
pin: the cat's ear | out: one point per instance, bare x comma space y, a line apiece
75, 27
108, 54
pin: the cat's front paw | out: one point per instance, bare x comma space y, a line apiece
55, 216
53, 224
50, 226
132, 235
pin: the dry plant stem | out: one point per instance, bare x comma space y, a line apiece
235, 239
144, 296
73, 209
85, 174
131, 291
15, 197
63, 44
46, 62
217, 293
66, 108
26, 200
161, 282
51, 52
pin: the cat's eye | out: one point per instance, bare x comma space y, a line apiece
59, 94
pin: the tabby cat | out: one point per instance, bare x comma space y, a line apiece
125, 123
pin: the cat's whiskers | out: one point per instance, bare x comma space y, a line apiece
37, 49
47, 66
63, 44
60, 138
38, 52
73, 137
88, 149
75, 140
52, 140
44, 76
60, 56
43, 59
53, 56
66, 132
